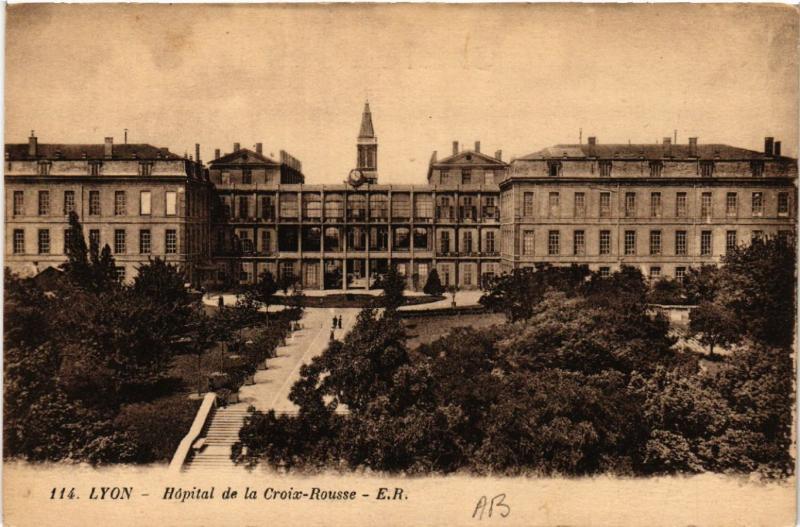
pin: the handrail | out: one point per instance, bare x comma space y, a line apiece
198, 425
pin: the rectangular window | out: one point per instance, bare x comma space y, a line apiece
553, 167
490, 247
466, 177
527, 204
172, 203
783, 203
67, 240
705, 205
94, 203
655, 242
757, 168
630, 243
656, 167
19, 202
630, 204
244, 207
705, 243
144, 203
94, 168
467, 242
655, 273
680, 243
605, 272
94, 237
756, 235
553, 204
44, 241
120, 272
247, 176
605, 242
680, 274
605, 204
731, 241
171, 241
579, 243
69, 201
655, 204
444, 242
468, 275
144, 241
731, 204
553, 243
605, 167
266, 241
120, 203
119, 241
528, 243
680, 205
145, 169
19, 241
706, 168
580, 205
758, 204
44, 203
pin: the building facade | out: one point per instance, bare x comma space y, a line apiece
659, 207
141, 201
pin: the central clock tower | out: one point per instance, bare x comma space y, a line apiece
367, 148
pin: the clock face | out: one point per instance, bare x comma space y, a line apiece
356, 177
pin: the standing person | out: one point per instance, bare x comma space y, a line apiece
334, 322
331, 334
340, 321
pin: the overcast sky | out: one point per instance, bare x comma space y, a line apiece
517, 78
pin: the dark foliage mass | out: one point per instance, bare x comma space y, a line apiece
85, 358
585, 379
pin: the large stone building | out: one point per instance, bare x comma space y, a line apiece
344, 236
660, 207
140, 200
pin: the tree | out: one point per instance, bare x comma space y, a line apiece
701, 284
77, 265
393, 285
433, 286
263, 291
714, 325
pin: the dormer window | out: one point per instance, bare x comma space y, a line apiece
145, 169
605, 167
706, 168
553, 167
247, 176
466, 177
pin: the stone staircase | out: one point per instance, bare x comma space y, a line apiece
214, 449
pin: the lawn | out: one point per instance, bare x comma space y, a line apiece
426, 329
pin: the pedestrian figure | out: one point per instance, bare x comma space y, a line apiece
331, 334
340, 321
334, 322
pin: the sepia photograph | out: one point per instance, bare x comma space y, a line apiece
400, 264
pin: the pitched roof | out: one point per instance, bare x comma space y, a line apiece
366, 123
469, 157
244, 156
646, 151
91, 151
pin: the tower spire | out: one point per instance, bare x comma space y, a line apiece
366, 131
367, 148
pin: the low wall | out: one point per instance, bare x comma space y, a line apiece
197, 428
442, 311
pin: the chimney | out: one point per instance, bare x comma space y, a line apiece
777, 149
258, 148
108, 150
455, 147
592, 143
768, 145
478, 146
32, 145
235, 147
216, 153
693, 147
197, 152
668, 146
498, 155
